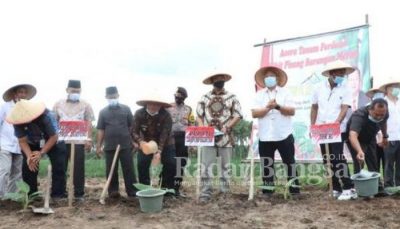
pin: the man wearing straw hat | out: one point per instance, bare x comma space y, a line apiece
73, 108
180, 114
330, 103
221, 110
273, 107
153, 123
10, 152
36, 130
113, 128
392, 151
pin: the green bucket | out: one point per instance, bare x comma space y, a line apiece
366, 185
151, 200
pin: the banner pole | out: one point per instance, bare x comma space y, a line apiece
329, 170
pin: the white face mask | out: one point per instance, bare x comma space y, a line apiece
151, 114
112, 102
74, 97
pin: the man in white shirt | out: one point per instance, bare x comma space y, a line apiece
273, 107
392, 151
10, 152
330, 103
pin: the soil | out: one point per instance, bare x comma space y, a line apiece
313, 209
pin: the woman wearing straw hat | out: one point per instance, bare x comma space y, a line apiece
10, 152
273, 107
36, 130
392, 151
330, 103
153, 124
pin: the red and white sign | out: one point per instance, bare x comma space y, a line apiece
326, 133
73, 130
199, 136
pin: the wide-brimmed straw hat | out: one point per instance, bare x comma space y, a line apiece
281, 76
153, 97
9, 94
370, 93
338, 64
389, 82
25, 111
217, 77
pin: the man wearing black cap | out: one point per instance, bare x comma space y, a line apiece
75, 109
181, 118
114, 124
10, 152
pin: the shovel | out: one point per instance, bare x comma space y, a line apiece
46, 209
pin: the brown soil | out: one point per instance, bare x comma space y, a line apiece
313, 209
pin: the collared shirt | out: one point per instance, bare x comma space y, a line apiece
157, 128
274, 126
329, 103
66, 110
366, 129
217, 109
116, 121
180, 115
8, 141
42, 128
393, 123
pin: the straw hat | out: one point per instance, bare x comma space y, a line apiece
281, 76
149, 147
9, 94
219, 76
373, 91
338, 64
391, 82
153, 97
25, 111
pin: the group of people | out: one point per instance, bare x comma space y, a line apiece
30, 128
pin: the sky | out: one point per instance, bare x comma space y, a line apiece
153, 46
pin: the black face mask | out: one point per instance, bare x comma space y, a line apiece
179, 100
219, 84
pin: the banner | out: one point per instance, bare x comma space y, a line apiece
73, 130
303, 59
199, 136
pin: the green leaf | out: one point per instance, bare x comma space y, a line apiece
141, 187
264, 187
170, 190
393, 190
22, 186
14, 196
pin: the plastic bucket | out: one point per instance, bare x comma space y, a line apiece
366, 186
151, 200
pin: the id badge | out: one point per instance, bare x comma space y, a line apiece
41, 144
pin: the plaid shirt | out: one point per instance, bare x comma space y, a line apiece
217, 110
157, 128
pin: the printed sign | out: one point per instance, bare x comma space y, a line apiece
73, 130
199, 136
326, 133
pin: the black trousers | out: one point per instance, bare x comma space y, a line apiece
79, 168
339, 166
181, 152
168, 171
267, 157
371, 159
57, 159
380, 156
125, 157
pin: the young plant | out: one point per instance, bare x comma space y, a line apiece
142, 187
22, 195
286, 187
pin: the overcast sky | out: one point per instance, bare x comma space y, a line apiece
142, 46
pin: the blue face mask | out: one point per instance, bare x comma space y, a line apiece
374, 120
112, 102
378, 95
270, 81
396, 92
74, 97
338, 80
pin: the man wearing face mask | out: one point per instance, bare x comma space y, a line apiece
362, 128
330, 103
154, 123
392, 151
180, 114
221, 110
273, 107
73, 108
113, 128
10, 152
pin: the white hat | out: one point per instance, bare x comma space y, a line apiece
338, 64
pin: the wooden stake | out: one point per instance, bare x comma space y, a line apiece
71, 175
198, 172
329, 170
251, 188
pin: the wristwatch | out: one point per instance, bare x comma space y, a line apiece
278, 107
